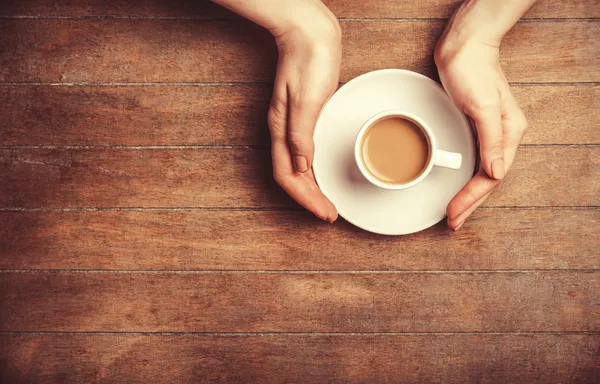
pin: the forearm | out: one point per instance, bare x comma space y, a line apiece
487, 20
279, 15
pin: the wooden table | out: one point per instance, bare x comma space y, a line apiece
142, 238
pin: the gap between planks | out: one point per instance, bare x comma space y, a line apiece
235, 17
248, 209
216, 146
296, 334
243, 84
294, 272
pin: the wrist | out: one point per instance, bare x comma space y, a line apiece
450, 47
312, 22
475, 21
468, 29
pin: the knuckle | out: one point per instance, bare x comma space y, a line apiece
483, 104
470, 198
517, 122
495, 142
490, 142
522, 123
276, 118
299, 143
297, 139
306, 99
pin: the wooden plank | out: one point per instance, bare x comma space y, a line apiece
300, 302
224, 240
341, 8
132, 50
204, 9
445, 8
546, 358
63, 178
135, 115
560, 114
577, 175
138, 178
229, 115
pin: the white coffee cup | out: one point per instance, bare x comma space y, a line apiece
437, 157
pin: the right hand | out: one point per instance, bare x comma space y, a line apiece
470, 71
307, 75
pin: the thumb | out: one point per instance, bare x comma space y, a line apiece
488, 121
303, 115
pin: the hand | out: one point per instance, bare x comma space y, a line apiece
307, 75
471, 74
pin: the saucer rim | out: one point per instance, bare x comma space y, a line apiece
402, 72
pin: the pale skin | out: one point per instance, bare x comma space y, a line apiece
308, 38
467, 57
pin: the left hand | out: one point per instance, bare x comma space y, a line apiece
309, 42
471, 74
307, 75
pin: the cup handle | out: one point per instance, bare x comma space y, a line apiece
447, 159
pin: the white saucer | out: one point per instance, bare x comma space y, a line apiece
360, 202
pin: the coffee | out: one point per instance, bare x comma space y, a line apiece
395, 150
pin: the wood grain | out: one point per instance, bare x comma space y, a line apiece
58, 50
341, 8
225, 240
63, 178
247, 286
229, 115
531, 178
283, 302
261, 359
135, 115
134, 50
560, 114
139, 178
445, 8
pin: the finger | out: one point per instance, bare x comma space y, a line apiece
488, 121
456, 223
298, 186
333, 213
479, 186
303, 115
301, 187
514, 125
312, 183
305, 192
278, 109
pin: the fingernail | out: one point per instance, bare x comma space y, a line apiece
453, 228
300, 164
458, 226
330, 216
498, 169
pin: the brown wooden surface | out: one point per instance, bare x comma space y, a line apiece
230, 115
142, 238
237, 51
240, 178
342, 8
484, 358
300, 302
230, 240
